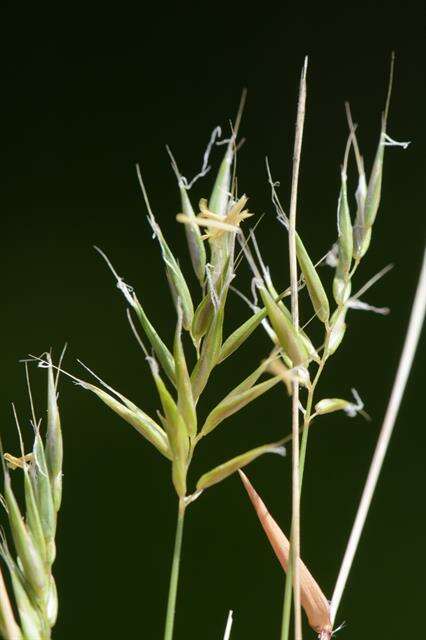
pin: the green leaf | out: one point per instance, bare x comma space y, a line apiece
312, 352
202, 318
222, 247
228, 468
44, 496
210, 349
337, 330
359, 229
29, 555
287, 335
134, 416
219, 198
52, 605
33, 520
54, 444
374, 189
329, 405
162, 353
177, 433
177, 282
196, 247
29, 617
250, 380
186, 403
240, 335
313, 283
237, 399
341, 283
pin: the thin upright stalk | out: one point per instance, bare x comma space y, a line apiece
285, 628
295, 537
404, 367
228, 627
174, 575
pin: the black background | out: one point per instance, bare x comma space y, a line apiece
88, 92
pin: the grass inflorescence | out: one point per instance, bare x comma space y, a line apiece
33, 589
219, 237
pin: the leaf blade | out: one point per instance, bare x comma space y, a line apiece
134, 416
229, 467
234, 402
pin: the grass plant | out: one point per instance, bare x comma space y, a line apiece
219, 238
217, 242
32, 585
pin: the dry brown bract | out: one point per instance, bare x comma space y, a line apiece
313, 601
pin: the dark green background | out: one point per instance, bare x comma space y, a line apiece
87, 94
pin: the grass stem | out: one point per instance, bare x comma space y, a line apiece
174, 575
285, 627
404, 367
295, 538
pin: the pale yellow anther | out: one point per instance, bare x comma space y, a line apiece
215, 224
17, 463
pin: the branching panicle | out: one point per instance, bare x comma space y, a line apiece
213, 231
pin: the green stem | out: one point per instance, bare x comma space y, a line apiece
174, 575
285, 626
